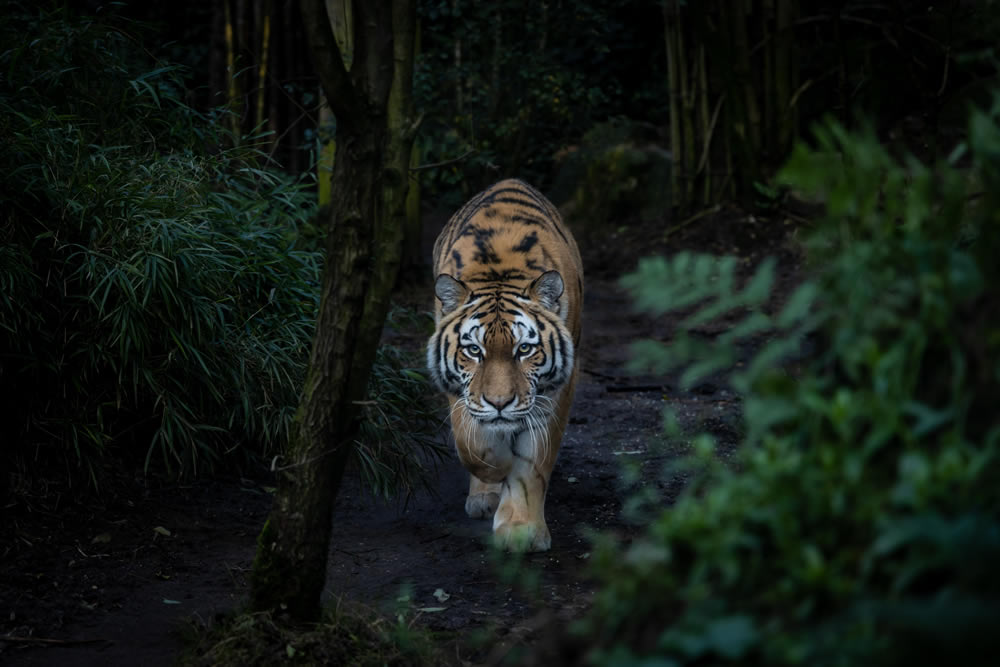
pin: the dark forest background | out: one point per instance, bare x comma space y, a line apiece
516, 87
177, 126
166, 168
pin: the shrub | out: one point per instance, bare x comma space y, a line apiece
859, 524
617, 172
346, 635
154, 301
149, 296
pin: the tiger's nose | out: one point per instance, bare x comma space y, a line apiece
498, 403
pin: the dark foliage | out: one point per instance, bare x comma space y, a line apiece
155, 305
861, 524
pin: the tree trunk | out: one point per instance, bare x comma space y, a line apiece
375, 126
412, 267
742, 111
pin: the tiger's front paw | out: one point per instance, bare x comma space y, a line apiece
522, 536
482, 505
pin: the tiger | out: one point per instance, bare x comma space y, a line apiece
508, 307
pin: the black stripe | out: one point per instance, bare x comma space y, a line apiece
527, 243
494, 276
532, 220
542, 200
552, 346
443, 349
528, 204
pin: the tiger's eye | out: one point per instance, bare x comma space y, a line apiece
524, 348
472, 350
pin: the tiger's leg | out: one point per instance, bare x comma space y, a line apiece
483, 498
488, 462
519, 522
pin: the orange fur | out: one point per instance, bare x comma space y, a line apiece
508, 314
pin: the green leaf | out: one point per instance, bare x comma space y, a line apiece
758, 289
732, 637
798, 305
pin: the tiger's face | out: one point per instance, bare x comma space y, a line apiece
502, 351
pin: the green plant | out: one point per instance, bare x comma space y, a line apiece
346, 635
399, 440
859, 524
617, 173
156, 304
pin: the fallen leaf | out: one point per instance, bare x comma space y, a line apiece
166, 601
431, 610
162, 531
441, 595
103, 538
571, 480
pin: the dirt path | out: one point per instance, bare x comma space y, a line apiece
433, 545
117, 580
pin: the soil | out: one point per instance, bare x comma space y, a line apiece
116, 579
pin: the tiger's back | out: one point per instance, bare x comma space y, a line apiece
510, 234
508, 314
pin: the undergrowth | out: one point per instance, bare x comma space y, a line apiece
345, 636
859, 524
156, 304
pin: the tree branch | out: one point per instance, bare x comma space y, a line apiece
445, 163
329, 63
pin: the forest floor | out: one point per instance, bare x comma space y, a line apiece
116, 580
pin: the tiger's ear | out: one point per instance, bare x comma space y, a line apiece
451, 291
546, 289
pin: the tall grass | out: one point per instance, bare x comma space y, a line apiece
154, 303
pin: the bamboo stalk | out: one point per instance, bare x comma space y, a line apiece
232, 88
265, 46
324, 164
341, 13
457, 54
785, 69
744, 71
769, 120
495, 60
670, 30
687, 117
707, 126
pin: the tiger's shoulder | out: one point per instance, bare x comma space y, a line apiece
510, 233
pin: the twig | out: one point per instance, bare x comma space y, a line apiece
693, 218
434, 165
603, 376
612, 389
435, 539
708, 135
356, 554
14, 639
944, 76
